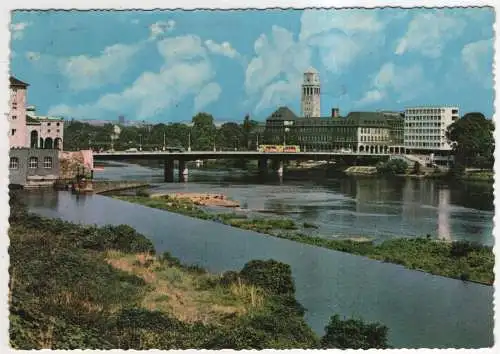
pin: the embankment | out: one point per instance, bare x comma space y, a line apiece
460, 260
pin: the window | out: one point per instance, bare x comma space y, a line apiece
58, 130
14, 117
58, 124
33, 162
14, 105
48, 130
14, 163
48, 124
13, 131
47, 162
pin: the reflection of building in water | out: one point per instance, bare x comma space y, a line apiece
444, 215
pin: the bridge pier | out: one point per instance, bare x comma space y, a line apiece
262, 165
281, 168
168, 170
183, 171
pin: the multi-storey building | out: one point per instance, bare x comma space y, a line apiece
44, 132
425, 128
17, 114
359, 131
311, 94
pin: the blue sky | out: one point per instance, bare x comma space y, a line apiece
167, 66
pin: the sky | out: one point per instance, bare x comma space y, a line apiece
166, 66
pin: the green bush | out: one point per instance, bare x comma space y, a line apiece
273, 276
392, 167
354, 334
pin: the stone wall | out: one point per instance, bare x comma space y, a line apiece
44, 172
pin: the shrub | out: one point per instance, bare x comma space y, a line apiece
392, 167
354, 334
142, 192
273, 276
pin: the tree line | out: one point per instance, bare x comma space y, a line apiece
202, 135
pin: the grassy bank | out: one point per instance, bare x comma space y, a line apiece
88, 287
460, 260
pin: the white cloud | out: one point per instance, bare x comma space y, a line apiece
208, 94
429, 32
84, 72
478, 58
17, 29
161, 27
402, 83
278, 57
372, 96
186, 72
275, 73
181, 48
224, 48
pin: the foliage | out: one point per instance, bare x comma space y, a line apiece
204, 134
472, 140
273, 276
354, 334
392, 167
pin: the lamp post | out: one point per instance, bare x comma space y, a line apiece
140, 142
164, 145
189, 141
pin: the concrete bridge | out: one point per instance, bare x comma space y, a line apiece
262, 157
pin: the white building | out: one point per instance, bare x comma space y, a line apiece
311, 91
425, 129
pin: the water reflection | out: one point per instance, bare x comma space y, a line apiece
350, 206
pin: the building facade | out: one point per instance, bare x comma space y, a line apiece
373, 132
425, 128
311, 94
17, 113
33, 167
44, 132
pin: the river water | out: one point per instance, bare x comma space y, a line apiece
348, 206
421, 310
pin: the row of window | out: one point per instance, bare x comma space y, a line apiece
422, 137
425, 144
32, 162
427, 118
374, 138
372, 130
423, 124
427, 110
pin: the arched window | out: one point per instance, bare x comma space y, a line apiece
47, 162
58, 143
48, 143
34, 139
14, 163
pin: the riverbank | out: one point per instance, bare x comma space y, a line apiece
109, 290
460, 260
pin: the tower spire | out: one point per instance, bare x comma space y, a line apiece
311, 94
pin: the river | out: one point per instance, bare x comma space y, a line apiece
421, 310
377, 208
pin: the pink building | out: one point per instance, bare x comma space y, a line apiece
44, 132
17, 115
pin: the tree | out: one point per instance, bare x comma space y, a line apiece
354, 334
230, 136
472, 140
203, 132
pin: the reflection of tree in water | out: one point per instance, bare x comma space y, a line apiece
473, 195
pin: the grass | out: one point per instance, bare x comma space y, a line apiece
424, 254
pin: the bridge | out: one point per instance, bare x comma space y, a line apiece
263, 157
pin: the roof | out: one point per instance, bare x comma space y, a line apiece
17, 82
368, 118
40, 118
32, 121
311, 70
283, 113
